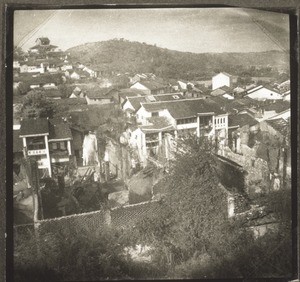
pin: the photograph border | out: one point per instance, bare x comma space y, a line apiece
7, 9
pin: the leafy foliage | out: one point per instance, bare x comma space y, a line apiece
193, 238
35, 105
134, 57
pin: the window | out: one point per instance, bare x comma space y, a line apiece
35, 143
54, 146
154, 114
62, 145
187, 120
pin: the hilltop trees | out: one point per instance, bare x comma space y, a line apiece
123, 56
36, 105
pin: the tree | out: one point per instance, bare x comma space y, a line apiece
18, 53
193, 238
37, 106
194, 221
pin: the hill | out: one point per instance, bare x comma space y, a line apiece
124, 56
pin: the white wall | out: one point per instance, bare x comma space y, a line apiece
285, 115
221, 122
97, 101
127, 105
264, 93
142, 115
220, 80
139, 86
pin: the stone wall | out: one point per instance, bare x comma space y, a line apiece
257, 169
128, 216
120, 217
92, 221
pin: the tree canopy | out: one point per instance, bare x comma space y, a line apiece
35, 105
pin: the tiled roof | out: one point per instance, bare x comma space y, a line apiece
238, 104
279, 125
157, 124
17, 142
278, 106
168, 97
32, 126
43, 46
218, 92
152, 84
71, 102
136, 101
131, 92
59, 130
241, 120
53, 93
40, 79
98, 93
185, 108
44, 40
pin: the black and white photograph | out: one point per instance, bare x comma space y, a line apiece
151, 143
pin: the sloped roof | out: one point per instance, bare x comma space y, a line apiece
279, 125
43, 47
136, 101
131, 92
32, 126
79, 72
218, 92
278, 106
98, 93
40, 79
152, 84
238, 104
17, 142
156, 124
185, 108
52, 93
44, 40
241, 120
223, 73
168, 97
59, 130
71, 102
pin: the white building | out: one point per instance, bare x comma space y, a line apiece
162, 122
263, 93
221, 79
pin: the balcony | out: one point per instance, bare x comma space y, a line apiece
59, 156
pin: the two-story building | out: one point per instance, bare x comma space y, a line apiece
162, 123
132, 104
46, 141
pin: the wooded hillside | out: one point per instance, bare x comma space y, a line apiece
124, 56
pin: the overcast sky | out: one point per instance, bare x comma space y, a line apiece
196, 30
